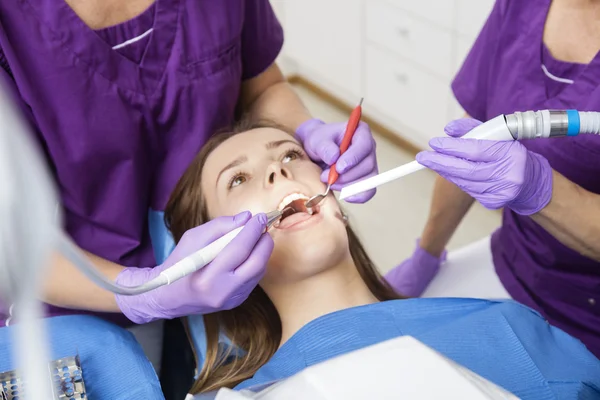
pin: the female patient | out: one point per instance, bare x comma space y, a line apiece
322, 297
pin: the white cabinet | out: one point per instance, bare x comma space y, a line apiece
437, 12
407, 94
401, 55
324, 38
414, 39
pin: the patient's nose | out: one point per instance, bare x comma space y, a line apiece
277, 172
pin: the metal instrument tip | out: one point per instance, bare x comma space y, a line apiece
361, 101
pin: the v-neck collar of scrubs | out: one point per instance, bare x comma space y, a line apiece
92, 52
582, 85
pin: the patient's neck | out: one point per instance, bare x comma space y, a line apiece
332, 290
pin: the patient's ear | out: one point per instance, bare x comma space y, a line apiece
344, 217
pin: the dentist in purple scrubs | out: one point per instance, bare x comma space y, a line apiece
530, 55
122, 96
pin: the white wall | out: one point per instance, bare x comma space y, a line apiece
400, 55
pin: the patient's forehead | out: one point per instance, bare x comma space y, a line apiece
248, 144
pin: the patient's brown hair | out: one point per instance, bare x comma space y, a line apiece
254, 326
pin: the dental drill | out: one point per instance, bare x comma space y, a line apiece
184, 267
505, 127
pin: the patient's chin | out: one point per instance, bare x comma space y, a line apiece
302, 256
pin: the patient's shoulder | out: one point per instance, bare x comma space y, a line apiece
442, 309
513, 308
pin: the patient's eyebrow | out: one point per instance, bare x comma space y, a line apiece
277, 143
233, 164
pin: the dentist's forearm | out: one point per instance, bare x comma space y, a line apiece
270, 96
572, 217
448, 207
65, 286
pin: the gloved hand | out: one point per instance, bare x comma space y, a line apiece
222, 285
321, 142
497, 174
412, 277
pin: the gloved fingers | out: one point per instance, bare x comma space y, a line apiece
490, 194
306, 128
460, 127
366, 167
448, 166
360, 197
214, 229
322, 150
361, 147
196, 238
321, 145
240, 248
254, 268
471, 149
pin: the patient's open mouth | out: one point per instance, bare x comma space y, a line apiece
295, 211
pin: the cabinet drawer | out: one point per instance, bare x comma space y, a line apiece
440, 12
419, 41
406, 94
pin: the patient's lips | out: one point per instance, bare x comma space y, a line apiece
296, 212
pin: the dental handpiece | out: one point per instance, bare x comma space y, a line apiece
184, 267
505, 127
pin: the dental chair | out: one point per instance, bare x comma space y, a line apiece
113, 363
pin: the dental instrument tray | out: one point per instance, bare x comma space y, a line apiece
67, 379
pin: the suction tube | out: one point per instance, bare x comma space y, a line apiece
548, 124
517, 126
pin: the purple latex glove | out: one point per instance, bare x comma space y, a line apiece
222, 285
321, 142
497, 174
412, 277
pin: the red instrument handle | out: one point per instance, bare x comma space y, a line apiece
350, 129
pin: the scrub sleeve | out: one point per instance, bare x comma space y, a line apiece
509, 69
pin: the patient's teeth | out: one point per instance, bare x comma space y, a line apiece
289, 198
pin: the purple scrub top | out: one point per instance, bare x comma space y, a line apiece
509, 69
122, 111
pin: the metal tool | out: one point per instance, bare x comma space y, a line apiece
333, 174
517, 126
274, 216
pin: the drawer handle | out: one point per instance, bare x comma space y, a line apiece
402, 78
404, 32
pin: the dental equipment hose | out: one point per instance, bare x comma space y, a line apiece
505, 127
186, 266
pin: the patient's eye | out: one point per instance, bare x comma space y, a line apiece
236, 180
291, 155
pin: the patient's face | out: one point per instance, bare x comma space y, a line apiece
263, 170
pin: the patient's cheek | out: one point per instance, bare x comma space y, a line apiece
244, 204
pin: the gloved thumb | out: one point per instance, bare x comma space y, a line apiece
222, 225
460, 127
212, 230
